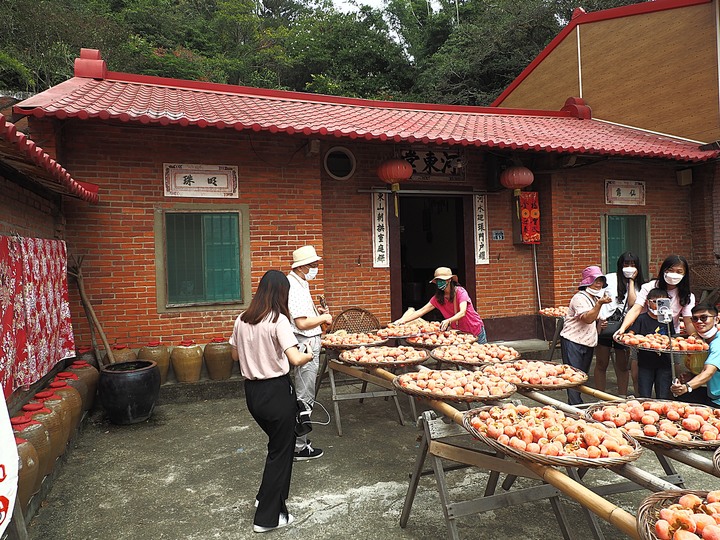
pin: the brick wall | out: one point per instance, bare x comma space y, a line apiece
29, 214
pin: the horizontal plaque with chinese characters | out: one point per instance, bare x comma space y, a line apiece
209, 181
625, 192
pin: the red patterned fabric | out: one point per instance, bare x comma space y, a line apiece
530, 217
36, 325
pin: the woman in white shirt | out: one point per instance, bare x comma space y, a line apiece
265, 345
622, 287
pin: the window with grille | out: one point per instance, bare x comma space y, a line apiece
203, 258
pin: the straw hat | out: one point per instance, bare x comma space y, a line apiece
589, 275
304, 255
443, 272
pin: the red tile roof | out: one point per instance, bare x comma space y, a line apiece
97, 93
24, 155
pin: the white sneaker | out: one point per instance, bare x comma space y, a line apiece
257, 503
283, 521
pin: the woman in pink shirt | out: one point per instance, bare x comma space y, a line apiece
454, 303
265, 345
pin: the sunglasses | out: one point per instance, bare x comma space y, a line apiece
702, 318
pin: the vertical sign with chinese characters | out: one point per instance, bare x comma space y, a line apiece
481, 232
381, 254
625, 192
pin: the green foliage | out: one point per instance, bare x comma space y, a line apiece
443, 51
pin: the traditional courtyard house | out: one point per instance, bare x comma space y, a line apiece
653, 66
203, 187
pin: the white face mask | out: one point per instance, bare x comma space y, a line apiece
710, 333
312, 274
653, 311
629, 271
673, 278
595, 292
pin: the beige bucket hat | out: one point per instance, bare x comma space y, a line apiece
304, 255
443, 272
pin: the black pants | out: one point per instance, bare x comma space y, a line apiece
272, 404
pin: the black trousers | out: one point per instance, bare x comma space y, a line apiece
272, 403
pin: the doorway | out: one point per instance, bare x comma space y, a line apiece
626, 233
432, 234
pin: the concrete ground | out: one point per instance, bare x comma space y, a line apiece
192, 470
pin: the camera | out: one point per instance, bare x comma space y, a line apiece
664, 311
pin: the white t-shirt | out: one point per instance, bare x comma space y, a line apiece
677, 309
300, 304
608, 309
261, 347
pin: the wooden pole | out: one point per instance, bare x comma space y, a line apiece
619, 518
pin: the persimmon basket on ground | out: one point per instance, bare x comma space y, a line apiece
697, 443
397, 357
555, 461
502, 388
506, 369
474, 355
649, 510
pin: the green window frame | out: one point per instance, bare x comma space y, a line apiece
201, 254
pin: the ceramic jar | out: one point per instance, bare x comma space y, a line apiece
89, 375
128, 390
158, 353
186, 361
37, 434
52, 422
29, 475
218, 359
121, 353
72, 379
72, 396
86, 354
54, 402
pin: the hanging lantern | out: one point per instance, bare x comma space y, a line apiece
516, 178
394, 171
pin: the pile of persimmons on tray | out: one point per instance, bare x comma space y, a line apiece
660, 342
450, 383
691, 518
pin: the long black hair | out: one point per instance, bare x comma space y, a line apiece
684, 285
628, 256
271, 297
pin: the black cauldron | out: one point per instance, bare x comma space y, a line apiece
128, 390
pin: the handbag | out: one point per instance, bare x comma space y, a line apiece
613, 322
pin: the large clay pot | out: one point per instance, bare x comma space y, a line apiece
121, 353
33, 431
52, 422
186, 361
86, 354
29, 475
72, 396
89, 375
54, 402
72, 379
128, 390
218, 359
158, 353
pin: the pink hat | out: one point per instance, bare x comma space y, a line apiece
589, 275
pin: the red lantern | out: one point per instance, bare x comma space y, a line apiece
516, 178
394, 171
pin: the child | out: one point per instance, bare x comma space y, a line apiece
654, 368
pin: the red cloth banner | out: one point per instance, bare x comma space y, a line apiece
529, 217
36, 325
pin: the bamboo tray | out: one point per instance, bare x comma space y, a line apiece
716, 460
458, 338
418, 357
560, 461
696, 444
345, 346
505, 389
649, 510
495, 369
473, 355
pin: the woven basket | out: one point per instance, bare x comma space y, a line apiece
559, 461
449, 398
716, 460
654, 441
547, 387
355, 320
649, 510
344, 358
441, 354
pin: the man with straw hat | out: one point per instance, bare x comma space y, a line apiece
306, 320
